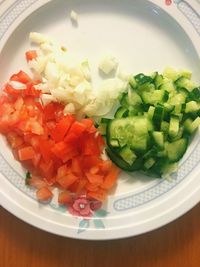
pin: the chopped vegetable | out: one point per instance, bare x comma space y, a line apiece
56, 149
150, 129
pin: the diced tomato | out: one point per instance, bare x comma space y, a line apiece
67, 180
36, 182
77, 128
14, 140
47, 169
92, 187
88, 123
90, 161
71, 138
44, 194
62, 171
52, 111
110, 178
21, 76
64, 198
45, 149
31, 91
94, 170
76, 166
36, 159
26, 153
94, 178
81, 185
89, 146
57, 149
30, 55
98, 195
62, 128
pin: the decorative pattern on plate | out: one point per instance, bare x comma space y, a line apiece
190, 14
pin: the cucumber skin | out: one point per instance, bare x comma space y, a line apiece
122, 164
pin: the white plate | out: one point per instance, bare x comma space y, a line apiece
144, 36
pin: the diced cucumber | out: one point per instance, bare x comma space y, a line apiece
137, 164
173, 126
178, 98
127, 155
168, 86
133, 82
114, 143
195, 94
157, 96
102, 128
158, 80
183, 82
158, 116
164, 126
176, 149
149, 163
141, 79
191, 106
158, 138
131, 131
151, 112
190, 126
171, 74
133, 98
121, 112
185, 73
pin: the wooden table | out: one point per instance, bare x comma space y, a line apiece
175, 245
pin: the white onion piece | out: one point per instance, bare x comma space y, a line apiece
17, 85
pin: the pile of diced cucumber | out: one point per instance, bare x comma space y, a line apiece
152, 127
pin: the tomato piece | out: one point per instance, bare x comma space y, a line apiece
62, 128
110, 178
105, 166
31, 91
88, 123
47, 169
64, 198
80, 188
67, 180
76, 166
31, 54
71, 138
89, 146
94, 178
36, 159
26, 153
92, 187
59, 149
21, 76
45, 149
44, 194
98, 195
14, 139
90, 161
36, 182
53, 111
77, 128
62, 171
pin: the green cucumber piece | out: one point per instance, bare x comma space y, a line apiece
176, 149
173, 126
127, 155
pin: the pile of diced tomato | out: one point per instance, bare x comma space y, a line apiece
57, 150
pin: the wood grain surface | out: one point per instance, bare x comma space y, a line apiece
175, 245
